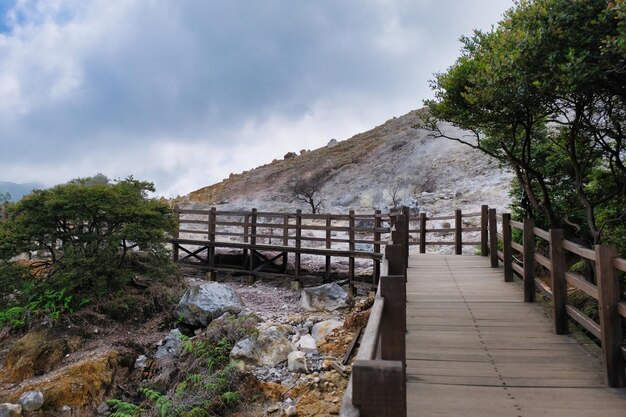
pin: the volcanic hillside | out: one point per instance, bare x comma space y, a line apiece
362, 173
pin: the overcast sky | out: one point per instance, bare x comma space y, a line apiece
183, 92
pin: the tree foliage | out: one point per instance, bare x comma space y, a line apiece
89, 238
544, 92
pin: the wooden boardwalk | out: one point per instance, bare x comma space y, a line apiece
475, 349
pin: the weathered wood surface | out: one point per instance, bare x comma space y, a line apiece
475, 349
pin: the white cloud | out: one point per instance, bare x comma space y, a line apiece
183, 93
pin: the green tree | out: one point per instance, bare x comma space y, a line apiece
90, 238
544, 93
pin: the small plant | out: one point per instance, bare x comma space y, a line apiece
124, 409
230, 399
163, 404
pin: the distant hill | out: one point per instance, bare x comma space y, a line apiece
365, 171
18, 191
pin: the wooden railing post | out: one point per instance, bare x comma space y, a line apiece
529, 260
351, 237
393, 323
212, 220
252, 238
422, 232
396, 261
378, 223
484, 231
610, 321
328, 246
285, 240
458, 232
379, 389
246, 239
559, 285
493, 238
298, 241
507, 250
406, 213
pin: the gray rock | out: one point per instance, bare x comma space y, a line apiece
332, 143
31, 400
170, 346
364, 247
296, 362
291, 411
9, 410
201, 304
269, 347
103, 408
323, 328
327, 297
290, 155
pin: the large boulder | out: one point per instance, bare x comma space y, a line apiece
327, 297
321, 329
269, 347
296, 362
201, 304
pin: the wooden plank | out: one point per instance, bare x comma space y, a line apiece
517, 225
579, 250
541, 233
584, 320
543, 261
577, 281
529, 260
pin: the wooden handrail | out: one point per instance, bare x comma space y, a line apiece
611, 309
381, 360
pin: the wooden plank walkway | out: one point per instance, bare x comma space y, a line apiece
475, 349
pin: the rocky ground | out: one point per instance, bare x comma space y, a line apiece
292, 363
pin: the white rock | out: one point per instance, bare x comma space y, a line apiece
307, 343
323, 328
291, 411
269, 347
332, 143
171, 345
201, 304
296, 362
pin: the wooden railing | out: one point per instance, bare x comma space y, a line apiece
420, 227
377, 386
330, 235
603, 285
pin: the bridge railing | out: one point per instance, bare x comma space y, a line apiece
450, 230
601, 284
350, 236
377, 386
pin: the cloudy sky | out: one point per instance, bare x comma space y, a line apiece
183, 92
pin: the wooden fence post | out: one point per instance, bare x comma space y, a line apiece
298, 242
422, 232
393, 322
610, 321
396, 261
379, 389
493, 238
559, 285
406, 213
211, 260
253, 220
378, 222
507, 251
458, 232
285, 240
246, 239
328, 246
484, 231
529, 260
351, 244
